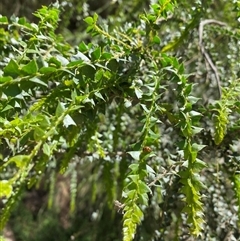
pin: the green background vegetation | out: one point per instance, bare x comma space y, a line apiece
119, 120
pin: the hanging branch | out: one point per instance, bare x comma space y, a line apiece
204, 52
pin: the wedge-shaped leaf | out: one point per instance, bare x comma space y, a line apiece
194, 113
80, 56
38, 81
150, 170
60, 109
6, 108
137, 210
196, 182
156, 39
38, 133
78, 63
135, 154
106, 56
5, 189
135, 218
99, 74
138, 93
96, 54
130, 194
62, 60
196, 130
46, 149
99, 95
143, 199
4, 79
89, 20
12, 69
55, 61
135, 178
198, 165
83, 47
145, 108
197, 147
68, 121
134, 167
3, 19
30, 68
20, 160
143, 187
192, 99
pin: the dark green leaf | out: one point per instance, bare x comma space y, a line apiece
12, 69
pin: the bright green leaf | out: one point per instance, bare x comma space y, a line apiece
89, 20
5, 189
20, 160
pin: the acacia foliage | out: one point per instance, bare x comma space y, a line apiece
128, 107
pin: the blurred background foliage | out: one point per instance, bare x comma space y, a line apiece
75, 206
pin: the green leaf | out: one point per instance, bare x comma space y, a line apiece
4, 79
99, 95
78, 63
134, 167
30, 68
196, 130
46, 149
68, 121
99, 74
150, 170
106, 56
135, 178
60, 109
197, 147
20, 160
12, 69
3, 19
47, 70
5, 189
129, 194
60, 61
95, 17
38, 81
38, 133
96, 54
82, 47
12, 91
143, 199
138, 93
135, 154
89, 20
156, 40
192, 99
6, 108
54, 61
143, 187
